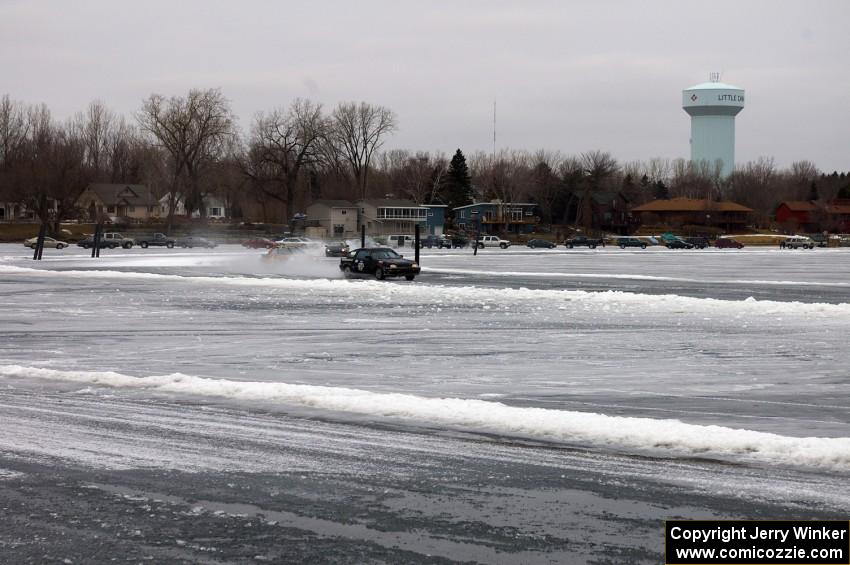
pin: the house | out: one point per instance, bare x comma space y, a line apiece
335, 218
497, 216
811, 216
384, 216
797, 214
608, 210
694, 212
130, 201
215, 208
435, 219
838, 215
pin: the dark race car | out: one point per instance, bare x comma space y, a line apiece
336, 249
381, 262
540, 243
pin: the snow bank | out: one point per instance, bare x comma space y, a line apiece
667, 436
365, 291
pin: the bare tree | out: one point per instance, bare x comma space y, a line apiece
598, 167
13, 135
546, 186
754, 184
194, 131
355, 133
94, 126
282, 144
51, 171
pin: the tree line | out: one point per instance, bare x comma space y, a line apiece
192, 146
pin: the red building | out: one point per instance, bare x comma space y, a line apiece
798, 214
808, 216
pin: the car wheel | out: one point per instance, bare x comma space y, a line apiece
592, 246
409, 277
60, 246
127, 246
503, 245
643, 246
379, 274
569, 245
143, 245
170, 245
622, 247
346, 272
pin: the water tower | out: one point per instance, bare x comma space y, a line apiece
713, 106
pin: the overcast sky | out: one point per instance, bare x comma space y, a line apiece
568, 76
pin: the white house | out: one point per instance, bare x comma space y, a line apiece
214, 206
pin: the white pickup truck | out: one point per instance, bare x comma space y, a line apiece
492, 241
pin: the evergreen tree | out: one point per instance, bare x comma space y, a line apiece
457, 183
661, 192
813, 192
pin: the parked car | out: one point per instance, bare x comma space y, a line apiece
492, 241
798, 242
258, 243
111, 240
48, 242
336, 249
582, 241
382, 262
698, 242
624, 242
438, 241
297, 242
678, 243
727, 243
540, 243
156, 240
194, 241
458, 241
819, 239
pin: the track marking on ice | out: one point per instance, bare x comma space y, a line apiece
670, 436
625, 276
480, 296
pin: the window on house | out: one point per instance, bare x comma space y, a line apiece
110, 209
215, 211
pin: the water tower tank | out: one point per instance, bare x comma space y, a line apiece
713, 106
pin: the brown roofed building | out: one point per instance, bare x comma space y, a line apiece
797, 214
696, 212
131, 201
810, 216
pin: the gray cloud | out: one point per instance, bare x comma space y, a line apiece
567, 75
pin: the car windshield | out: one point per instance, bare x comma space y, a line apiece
385, 254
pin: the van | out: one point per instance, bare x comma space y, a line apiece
400, 240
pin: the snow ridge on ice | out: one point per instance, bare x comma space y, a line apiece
670, 437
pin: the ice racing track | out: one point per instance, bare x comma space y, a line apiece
517, 407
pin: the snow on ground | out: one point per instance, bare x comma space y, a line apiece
677, 353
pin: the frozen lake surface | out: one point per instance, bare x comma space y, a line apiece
516, 405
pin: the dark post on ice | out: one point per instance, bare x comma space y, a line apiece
416, 244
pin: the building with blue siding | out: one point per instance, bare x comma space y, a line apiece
435, 221
497, 217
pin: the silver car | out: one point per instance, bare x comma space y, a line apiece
48, 242
799, 243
